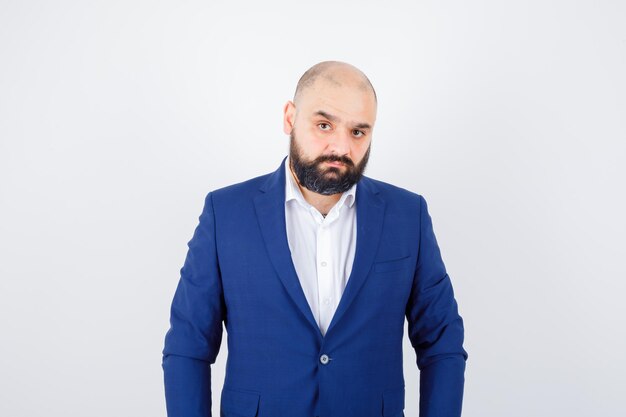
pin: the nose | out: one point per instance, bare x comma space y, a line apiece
339, 143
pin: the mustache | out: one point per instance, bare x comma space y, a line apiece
335, 158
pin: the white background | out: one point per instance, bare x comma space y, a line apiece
117, 117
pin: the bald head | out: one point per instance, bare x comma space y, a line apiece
335, 73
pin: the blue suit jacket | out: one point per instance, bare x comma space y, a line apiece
238, 270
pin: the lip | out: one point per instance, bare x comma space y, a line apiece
335, 163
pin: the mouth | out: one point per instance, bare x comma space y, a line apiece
335, 163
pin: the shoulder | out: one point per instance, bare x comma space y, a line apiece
243, 187
238, 192
402, 204
392, 193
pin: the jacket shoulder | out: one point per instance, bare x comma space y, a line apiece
243, 187
391, 192
235, 195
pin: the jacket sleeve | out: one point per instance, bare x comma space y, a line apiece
195, 334
436, 329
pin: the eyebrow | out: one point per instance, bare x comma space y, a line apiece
335, 119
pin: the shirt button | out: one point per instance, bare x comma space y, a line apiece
323, 263
324, 359
327, 301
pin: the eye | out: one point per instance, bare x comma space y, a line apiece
322, 125
358, 133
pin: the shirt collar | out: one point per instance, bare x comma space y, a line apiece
292, 191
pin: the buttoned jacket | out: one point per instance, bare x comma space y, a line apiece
238, 274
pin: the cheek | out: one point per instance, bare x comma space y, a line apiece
314, 141
310, 145
359, 150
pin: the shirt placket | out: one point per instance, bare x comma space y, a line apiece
324, 273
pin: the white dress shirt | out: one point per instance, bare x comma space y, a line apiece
322, 248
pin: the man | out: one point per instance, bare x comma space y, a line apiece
313, 269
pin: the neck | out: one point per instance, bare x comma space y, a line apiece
323, 203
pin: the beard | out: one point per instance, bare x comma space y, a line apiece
326, 181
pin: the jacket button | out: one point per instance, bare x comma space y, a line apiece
324, 359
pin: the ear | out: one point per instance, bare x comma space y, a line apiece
289, 115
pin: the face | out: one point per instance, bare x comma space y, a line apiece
324, 174
330, 132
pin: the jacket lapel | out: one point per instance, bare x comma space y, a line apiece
370, 209
270, 211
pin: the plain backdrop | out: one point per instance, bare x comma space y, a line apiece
118, 117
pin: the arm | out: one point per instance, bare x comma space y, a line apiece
195, 334
436, 329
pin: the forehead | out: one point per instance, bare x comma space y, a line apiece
352, 101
